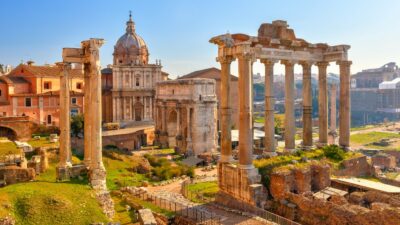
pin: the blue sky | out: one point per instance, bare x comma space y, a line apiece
177, 31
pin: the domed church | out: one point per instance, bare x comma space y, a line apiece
129, 84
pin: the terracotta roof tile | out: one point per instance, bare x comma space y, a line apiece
212, 73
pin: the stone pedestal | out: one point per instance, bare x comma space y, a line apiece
63, 173
239, 185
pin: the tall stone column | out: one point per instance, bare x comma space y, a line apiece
97, 170
333, 108
87, 116
65, 121
178, 119
225, 109
290, 126
189, 146
322, 103
307, 105
245, 112
269, 125
344, 110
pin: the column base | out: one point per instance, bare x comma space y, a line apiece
97, 177
290, 150
321, 144
306, 147
270, 154
63, 173
346, 148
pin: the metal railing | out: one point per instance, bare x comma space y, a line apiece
191, 211
262, 213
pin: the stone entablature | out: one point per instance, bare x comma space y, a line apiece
186, 115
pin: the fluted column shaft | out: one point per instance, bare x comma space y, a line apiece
65, 121
269, 126
307, 105
225, 109
87, 116
344, 114
178, 120
333, 108
290, 126
245, 112
322, 103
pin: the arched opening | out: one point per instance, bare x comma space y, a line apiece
171, 128
8, 133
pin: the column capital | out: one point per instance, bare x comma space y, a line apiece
246, 56
288, 62
225, 59
344, 63
306, 64
268, 61
322, 64
64, 66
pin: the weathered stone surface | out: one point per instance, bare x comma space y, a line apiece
356, 167
357, 198
384, 161
106, 203
7, 221
146, 217
320, 176
302, 180
14, 174
143, 166
281, 182
338, 200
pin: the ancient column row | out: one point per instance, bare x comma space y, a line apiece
245, 106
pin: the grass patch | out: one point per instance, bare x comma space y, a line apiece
43, 142
120, 171
374, 136
45, 201
206, 189
8, 147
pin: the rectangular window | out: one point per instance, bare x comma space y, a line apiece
47, 85
48, 119
28, 102
79, 85
137, 81
0, 93
73, 101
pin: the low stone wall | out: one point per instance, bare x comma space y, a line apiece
15, 174
355, 167
311, 211
7, 221
384, 161
394, 153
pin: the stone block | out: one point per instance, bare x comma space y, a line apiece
146, 217
14, 174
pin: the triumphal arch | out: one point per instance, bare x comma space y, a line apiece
275, 42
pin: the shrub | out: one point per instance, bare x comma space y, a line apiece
334, 152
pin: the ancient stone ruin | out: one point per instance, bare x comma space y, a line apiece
275, 42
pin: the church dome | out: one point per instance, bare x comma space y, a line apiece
130, 48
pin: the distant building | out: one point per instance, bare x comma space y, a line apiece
129, 84
377, 102
30, 90
215, 74
371, 78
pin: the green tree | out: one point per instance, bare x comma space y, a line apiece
77, 124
